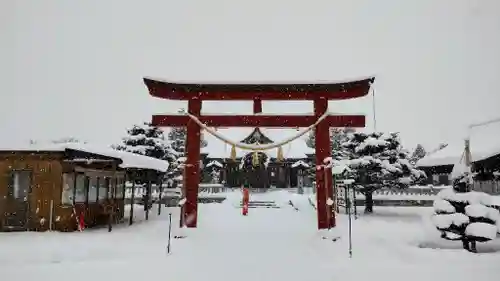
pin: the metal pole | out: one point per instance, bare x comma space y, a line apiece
348, 204
374, 113
110, 218
355, 203
169, 232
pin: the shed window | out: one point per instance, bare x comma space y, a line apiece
103, 189
93, 190
120, 188
67, 189
109, 186
20, 185
81, 188
112, 188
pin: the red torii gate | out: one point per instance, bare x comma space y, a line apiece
319, 93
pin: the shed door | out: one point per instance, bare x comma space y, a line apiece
17, 205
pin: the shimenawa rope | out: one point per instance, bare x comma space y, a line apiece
257, 147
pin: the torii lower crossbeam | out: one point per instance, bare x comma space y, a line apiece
261, 120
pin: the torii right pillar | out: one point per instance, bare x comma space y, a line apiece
324, 187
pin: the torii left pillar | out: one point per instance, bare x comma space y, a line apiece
191, 179
324, 187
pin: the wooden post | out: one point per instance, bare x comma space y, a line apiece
192, 167
132, 199
468, 159
51, 215
257, 105
159, 195
323, 187
148, 197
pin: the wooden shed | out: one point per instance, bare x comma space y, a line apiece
44, 188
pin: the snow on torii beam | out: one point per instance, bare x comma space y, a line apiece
319, 93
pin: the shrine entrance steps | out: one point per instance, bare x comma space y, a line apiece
252, 204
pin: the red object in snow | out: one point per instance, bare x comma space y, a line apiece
81, 222
246, 199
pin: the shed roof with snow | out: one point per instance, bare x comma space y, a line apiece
128, 160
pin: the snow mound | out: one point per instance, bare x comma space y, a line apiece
481, 211
472, 197
444, 221
481, 230
443, 206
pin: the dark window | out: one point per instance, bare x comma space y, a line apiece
93, 190
102, 192
20, 185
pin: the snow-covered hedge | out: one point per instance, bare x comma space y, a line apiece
469, 215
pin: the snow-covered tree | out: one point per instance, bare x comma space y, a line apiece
465, 215
148, 140
311, 139
378, 161
337, 137
177, 137
418, 153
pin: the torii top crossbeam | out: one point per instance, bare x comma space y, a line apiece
262, 91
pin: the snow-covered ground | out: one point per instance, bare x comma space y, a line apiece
269, 244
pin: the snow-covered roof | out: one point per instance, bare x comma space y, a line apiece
129, 160
214, 163
295, 150
300, 163
260, 82
484, 143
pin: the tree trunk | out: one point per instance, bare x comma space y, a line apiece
465, 244
473, 246
368, 201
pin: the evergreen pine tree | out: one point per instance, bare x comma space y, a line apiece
338, 136
148, 140
177, 137
418, 153
311, 139
378, 161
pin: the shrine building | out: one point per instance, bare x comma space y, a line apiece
283, 167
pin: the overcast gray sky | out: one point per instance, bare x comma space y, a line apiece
75, 68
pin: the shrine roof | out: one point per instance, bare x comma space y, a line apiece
182, 90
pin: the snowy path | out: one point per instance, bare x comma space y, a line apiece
269, 244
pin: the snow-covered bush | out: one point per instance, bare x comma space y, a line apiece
465, 215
